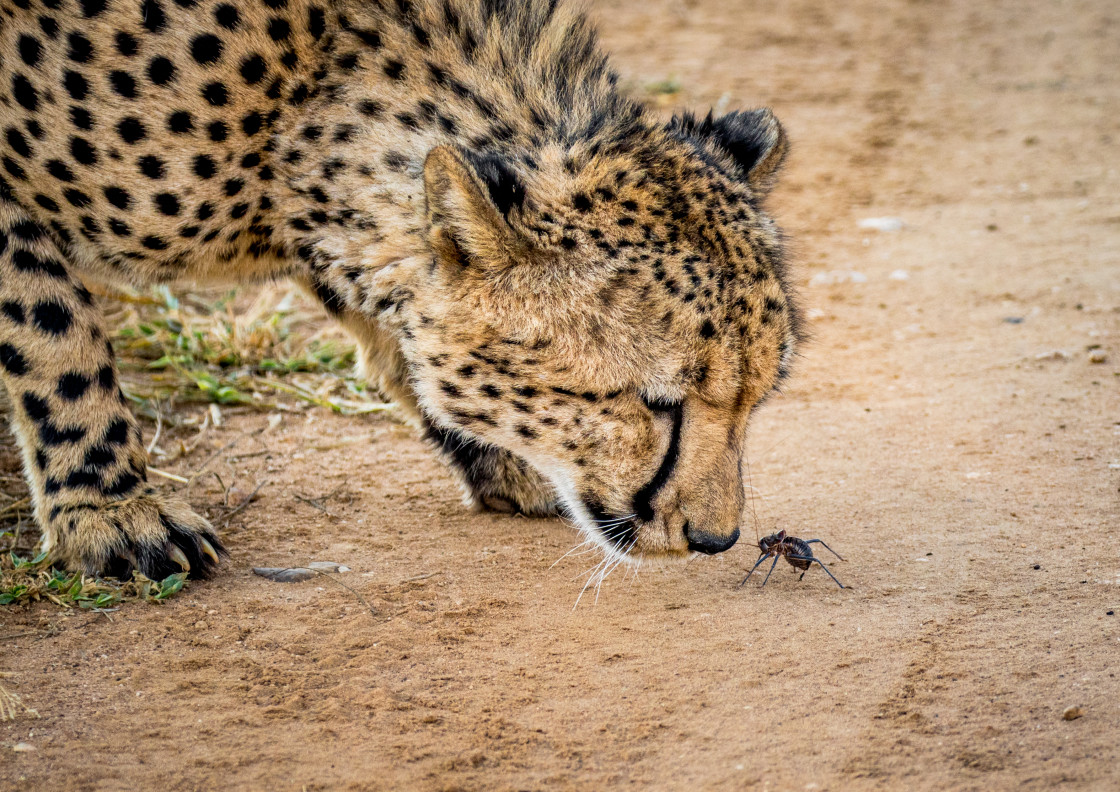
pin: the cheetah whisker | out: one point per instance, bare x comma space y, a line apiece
591, 576
603, 575
584, 543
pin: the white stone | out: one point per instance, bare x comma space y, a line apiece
883, 224
834, 277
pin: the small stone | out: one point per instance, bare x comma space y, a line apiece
1072, 713
282, 575
836, 277
22, 747
327, 566
1098, 356
883, 224
1013, 319
899, 275
1057, 354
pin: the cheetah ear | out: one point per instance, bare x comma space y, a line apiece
469, 200
753, 138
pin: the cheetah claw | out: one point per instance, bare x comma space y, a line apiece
180, 558
208, 550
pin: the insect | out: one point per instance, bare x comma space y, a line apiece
796, 551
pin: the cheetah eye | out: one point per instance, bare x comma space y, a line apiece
659, 405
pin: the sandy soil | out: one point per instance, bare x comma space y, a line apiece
970, 476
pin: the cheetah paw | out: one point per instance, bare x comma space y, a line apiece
524, 493
152, 534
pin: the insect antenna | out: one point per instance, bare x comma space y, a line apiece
751, 492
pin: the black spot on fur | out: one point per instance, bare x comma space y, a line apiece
25, 93
204, 167
253, 69
12, 360
117, 433
161, 71
393, 69
118, 197
76, 85
26, 261
51, 435
151, 166
30, 50
125, 484
14, 311
216, 94
51, 317
316, 22
81, 50
131, 129
278, 28
36, 408
206, 49
123, 83
167, 204
73, 386
151, 12
100, 456
106, 377
127, 44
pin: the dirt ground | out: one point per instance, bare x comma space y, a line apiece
946, 432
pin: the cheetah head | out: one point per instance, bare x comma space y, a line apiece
611, 313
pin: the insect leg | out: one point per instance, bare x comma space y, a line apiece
771, 570
811, 559
761, 558
826, 547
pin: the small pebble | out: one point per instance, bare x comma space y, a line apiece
22, 747
1110, 613
1057, 354
281, 575
884, 224
835, 277
1098, 356
1038, 566
327, 566
1013, 319
1072, 713
299, 574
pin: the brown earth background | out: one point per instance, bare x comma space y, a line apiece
968, 467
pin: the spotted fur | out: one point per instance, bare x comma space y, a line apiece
579, 304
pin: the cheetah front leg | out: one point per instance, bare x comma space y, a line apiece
82, 450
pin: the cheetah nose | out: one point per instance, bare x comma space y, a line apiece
702, 542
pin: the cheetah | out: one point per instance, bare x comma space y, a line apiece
577, 303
